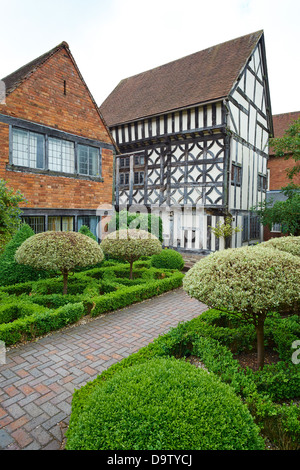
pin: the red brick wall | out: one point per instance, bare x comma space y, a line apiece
278, 176
41, 99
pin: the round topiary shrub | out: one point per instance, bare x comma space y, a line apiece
288, 244
129, 245
168, 259
59, 251
249, 282
163, 403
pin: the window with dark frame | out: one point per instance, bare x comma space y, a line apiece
262, 182
29, 150
236, 174
138, 177
37, 223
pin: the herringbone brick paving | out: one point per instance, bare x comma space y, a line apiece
38, 379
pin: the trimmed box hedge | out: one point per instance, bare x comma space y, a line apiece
32, 309
213, 337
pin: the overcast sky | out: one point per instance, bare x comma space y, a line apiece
114, 39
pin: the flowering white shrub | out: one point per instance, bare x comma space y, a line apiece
130, 244
248, 281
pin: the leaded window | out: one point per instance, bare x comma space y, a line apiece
28, 148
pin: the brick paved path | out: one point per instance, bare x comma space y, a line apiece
38, 379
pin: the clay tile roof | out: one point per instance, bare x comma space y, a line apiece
13, 80
197, 78
282, 122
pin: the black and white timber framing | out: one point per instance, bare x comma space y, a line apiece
194, 166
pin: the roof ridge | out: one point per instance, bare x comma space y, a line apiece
14, 79
258, 32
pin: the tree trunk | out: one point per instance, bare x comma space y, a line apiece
130, 272
260, 343
65, 277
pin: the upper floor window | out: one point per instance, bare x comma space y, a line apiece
88, 160
61, 155
40, 151
28, 148
262, 182
236, 174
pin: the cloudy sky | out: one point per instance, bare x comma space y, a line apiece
114, 39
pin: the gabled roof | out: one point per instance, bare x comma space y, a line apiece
197, 78
13, 80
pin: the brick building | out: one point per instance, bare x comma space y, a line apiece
54, 144
278, 166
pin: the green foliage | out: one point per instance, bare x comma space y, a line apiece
288, 146
40, 322
10, 271
225, 229
286, 213
169, 259
98, 291
130, 245
60, 251
247, 280
9, 212
86, 231
164, 404
288, 244
124, 220
212, 337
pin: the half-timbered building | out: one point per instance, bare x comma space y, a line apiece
193, 140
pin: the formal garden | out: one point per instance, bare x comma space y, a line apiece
196, 387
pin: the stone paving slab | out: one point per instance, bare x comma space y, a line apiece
38, 379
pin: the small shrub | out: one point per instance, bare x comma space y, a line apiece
169, 259
164, 404
86, 231
130, 245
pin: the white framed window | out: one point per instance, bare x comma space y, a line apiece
276, 228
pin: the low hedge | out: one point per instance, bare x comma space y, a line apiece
204, 336
25, 308
40, 323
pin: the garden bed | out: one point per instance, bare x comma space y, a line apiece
224, 348
32, 309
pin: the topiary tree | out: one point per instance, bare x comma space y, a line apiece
168, 259
129, 245
163, 403
248, 282
10, 271
60, 251
130, 220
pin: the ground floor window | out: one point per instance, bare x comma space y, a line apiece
36, 223
89, 221
61, 224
